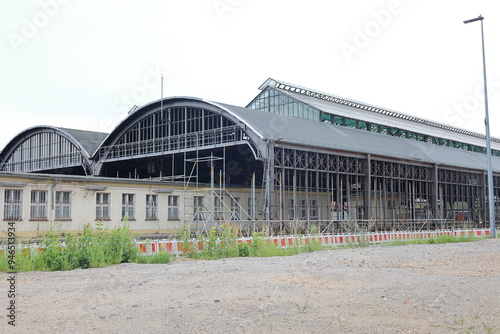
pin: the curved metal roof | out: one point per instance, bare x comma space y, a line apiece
366, 112
263, 127
171, 102
85, 141
299, 131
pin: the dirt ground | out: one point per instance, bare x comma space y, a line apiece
446, 288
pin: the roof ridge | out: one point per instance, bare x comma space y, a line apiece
270, 82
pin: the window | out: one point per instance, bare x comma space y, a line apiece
250, 208
198, 207
218, 209
173, 207
235, 208
303, 211
151, 207
12, 204
38, 209
63, 205
313, 213
327, 118
291, 211
128, 206
102, 206
350, 123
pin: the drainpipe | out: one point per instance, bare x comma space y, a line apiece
52, 201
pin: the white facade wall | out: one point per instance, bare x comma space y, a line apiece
83, 192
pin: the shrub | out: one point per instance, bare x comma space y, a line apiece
243, 249
162, 257
92, 248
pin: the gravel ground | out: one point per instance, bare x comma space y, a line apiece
447, 288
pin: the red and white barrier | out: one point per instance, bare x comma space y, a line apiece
177, 247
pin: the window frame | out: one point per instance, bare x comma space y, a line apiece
37, 205
13, 204
103, 205
173, 207
128, 206
151, 207
62, 205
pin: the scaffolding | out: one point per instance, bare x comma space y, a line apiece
223, 208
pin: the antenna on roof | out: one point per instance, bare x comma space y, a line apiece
133, 109
161, 100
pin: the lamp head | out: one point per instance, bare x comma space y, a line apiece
479, 18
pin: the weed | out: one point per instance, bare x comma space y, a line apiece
315, 245
92, 248
488, 329
404, 242
262, 247
243, 249
161, 257
445, 238
442, 239
187, 244
362, 229
302, 308
313, 229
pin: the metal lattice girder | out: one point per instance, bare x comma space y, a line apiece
177, 125
44, 148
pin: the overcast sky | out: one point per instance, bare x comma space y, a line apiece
84, 63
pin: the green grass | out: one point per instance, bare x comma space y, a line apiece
93, 248
226, 245
302, 307
162, 257
101, 247
442, 239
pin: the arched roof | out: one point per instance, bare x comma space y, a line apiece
255, 137
86, 142
262, 128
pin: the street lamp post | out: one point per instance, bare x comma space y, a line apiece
491, 198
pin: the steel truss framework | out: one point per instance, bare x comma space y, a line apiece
334, 189
45, 149
161, 137
174, 130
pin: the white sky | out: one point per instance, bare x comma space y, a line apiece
83, 63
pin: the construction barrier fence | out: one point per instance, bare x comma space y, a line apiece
176, 246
